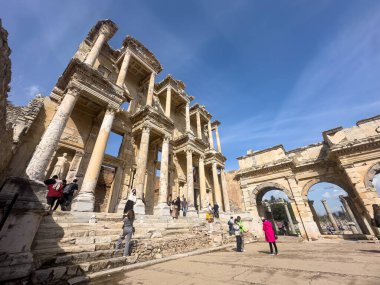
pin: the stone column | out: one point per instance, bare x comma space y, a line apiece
149, 97
315, 215
290, 220
271, 216
199, 128
168, 105
210, 138
188, 128
162, 207
350, 213
202, 183
330, 215
50, 139
123, 70
218, 194
218, 139
190, 179
85, 200
142, 160
104, 33
226, 199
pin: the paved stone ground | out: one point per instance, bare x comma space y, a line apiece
321, 262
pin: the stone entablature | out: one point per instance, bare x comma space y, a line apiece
347, 157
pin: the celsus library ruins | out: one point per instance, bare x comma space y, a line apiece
170, 146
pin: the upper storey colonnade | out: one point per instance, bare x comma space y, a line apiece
97, 84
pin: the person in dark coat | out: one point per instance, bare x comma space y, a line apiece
216, 210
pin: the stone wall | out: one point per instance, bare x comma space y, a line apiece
234, 192
5, 78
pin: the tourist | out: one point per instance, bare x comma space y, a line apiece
230, 224
68, 193
216, 210
238, 236
243, 230
177, 207
184, 206
210, 209
270, 236
131, 201
55, 187
128, 230
376, 215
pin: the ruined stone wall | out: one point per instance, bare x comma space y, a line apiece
234, 192
5, 78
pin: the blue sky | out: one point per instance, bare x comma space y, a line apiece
273, 72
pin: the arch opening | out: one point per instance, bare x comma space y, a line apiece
333, 209
275, 205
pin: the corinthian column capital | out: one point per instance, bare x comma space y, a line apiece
146, 129
73, 90
105, 30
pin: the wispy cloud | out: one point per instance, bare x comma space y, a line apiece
33, 90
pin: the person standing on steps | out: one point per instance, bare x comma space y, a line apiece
68, 194
230, 224
184, 206
131, 201
55, 187
128, 231
270, 236
177, 207
216, 210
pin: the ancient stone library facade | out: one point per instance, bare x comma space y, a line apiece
105, 90
349, 158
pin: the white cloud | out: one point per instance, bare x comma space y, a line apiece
33, 90
326, 195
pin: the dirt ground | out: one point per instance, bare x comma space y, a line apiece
321, 262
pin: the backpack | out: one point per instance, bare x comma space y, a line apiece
68, 188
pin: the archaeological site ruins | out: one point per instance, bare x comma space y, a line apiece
169, 147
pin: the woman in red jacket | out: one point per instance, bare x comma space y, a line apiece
55, 192
270, 236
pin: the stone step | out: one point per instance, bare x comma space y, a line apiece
56, 250
73, 241
45, 261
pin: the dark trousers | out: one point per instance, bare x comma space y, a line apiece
238, 243
271, 248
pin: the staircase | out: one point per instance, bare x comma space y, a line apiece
68, 246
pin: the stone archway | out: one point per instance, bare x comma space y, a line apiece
372, 171
259, 191
312, 182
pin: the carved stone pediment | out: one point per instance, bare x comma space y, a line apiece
143, 53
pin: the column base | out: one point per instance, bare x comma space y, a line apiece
191, 212
162, 209
84, 202
139, 207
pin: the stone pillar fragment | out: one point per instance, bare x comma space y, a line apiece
188, 128
123, 70
49, 141
202, 184
85, 201
351, 216
226, 199
162, 208
218, 194
199, 128
149, 97
292, 228
210, 138
330, 215
315, 215
218, 139
190, 179
142, 160
168, 105
104, 34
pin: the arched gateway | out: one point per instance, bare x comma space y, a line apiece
348, 158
